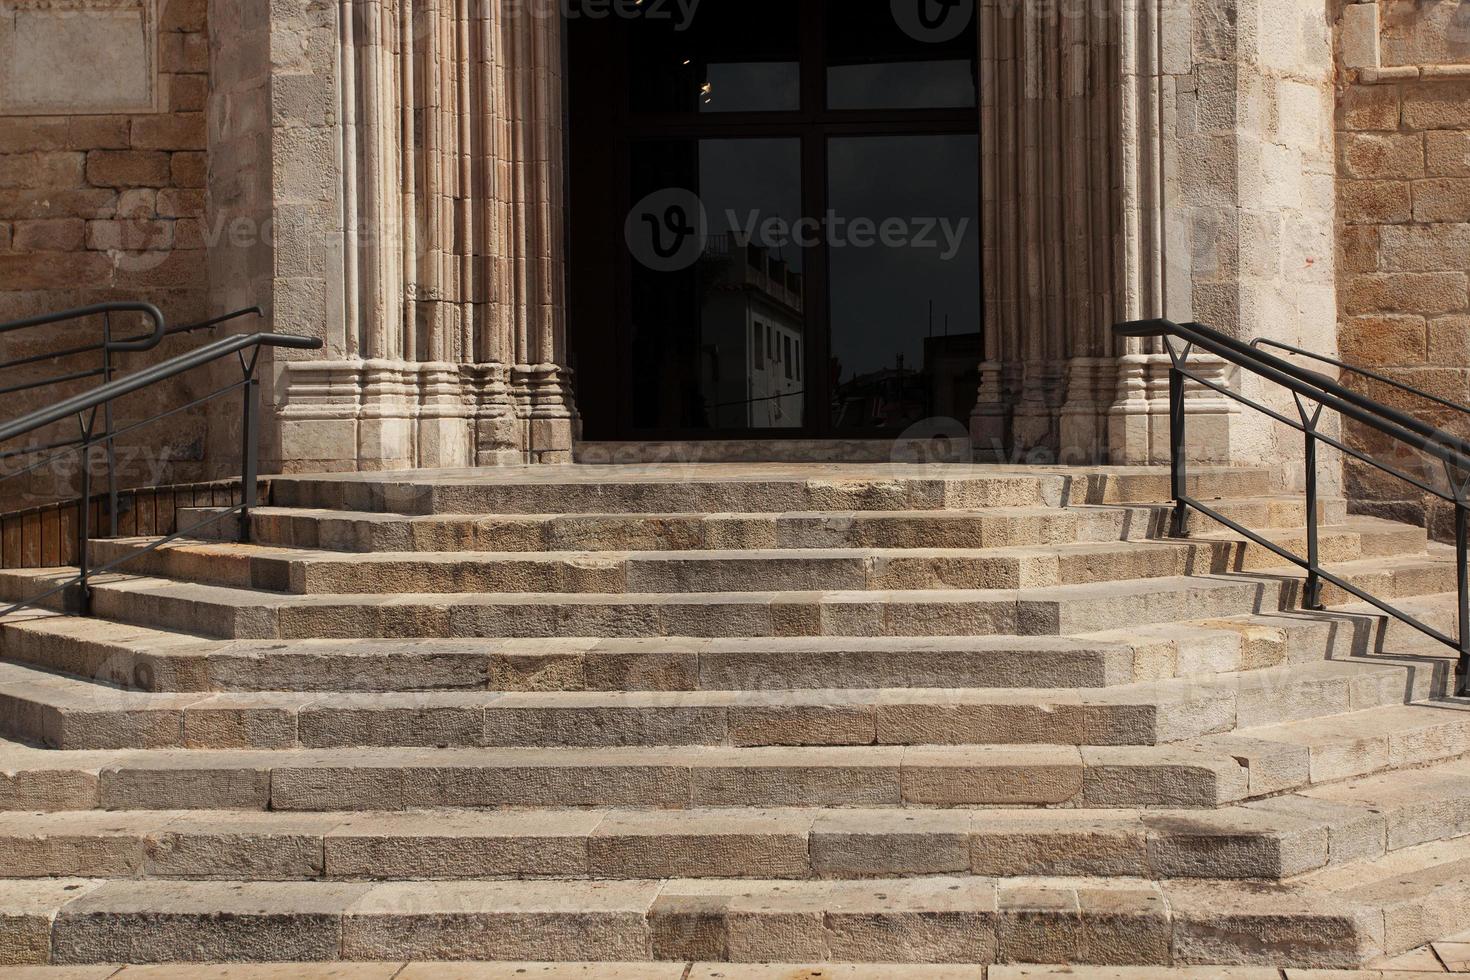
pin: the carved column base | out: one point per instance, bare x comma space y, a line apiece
496, 430
1083, 422
544, 403
1138, 422
1035, 425
387, 415
990, 421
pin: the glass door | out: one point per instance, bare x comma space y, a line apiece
774, 217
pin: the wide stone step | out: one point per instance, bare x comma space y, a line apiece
368, 532
936, 920
1273, 839
750, 488
665, 777
158, 661
308, 572
1205, 773
68, 713
246, 614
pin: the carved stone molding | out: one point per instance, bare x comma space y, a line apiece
79, 57
1363, 47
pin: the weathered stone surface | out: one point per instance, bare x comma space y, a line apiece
516, 920
162, 921
1368, 107
1447, 153
1378, 156
1442, 199
1375, 201
1419, 292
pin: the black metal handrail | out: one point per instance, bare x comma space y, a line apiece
106, 347
104, 310
85, 408
106, 367
1311, 387
1381, 378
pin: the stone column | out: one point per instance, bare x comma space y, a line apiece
413, 156
1052, 223
536, 158
1147, 158
1229, 200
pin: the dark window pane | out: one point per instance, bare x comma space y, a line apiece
905, 54
700, 302
904, 280
730, 56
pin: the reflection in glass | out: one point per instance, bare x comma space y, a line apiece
731, 56
905, 304
717, 344
874, 62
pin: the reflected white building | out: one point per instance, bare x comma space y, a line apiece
754, 330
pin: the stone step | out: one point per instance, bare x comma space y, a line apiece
1266, 513
1317, 751
678, 777
751, 488
1070, 609
932, 920
308, 572
228, 613
1269, 840
1416, 895
1205, 773
68, 713
368, 532
157, 661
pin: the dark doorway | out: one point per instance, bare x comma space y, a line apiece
774, 216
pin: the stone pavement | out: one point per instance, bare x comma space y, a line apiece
1439, 960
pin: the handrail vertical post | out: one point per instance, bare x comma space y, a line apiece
107, 424
1312, 595
249, 455
84, 532
1462, 576
1177, 472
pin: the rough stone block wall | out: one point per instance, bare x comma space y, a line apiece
102, 206
1404, 238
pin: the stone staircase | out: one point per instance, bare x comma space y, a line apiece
785, 713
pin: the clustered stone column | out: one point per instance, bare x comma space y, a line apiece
1049, 119
452, 340
1100, 120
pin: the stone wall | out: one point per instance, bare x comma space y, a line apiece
102, 197
1404, 204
